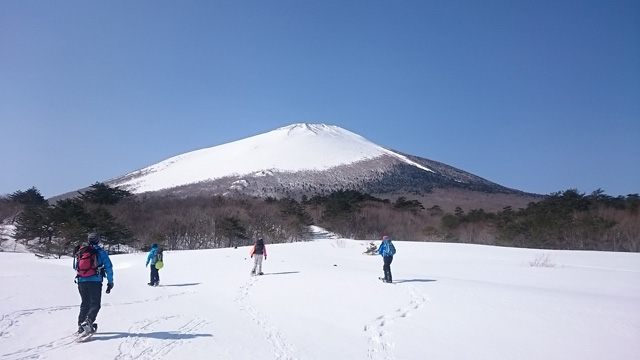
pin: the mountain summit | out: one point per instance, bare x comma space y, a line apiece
300, 159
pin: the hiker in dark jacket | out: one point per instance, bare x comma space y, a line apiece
92, 264
153, 259
387, 250
258, 251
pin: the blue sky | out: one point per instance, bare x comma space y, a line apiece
541, 96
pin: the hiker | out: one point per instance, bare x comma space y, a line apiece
92, 264
155, 256
258, 251
387, 250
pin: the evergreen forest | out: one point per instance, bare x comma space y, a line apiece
126, 222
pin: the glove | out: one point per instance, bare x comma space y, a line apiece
146, 265
109, 287
265, 258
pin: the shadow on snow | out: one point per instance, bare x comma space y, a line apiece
167, 335
413, 280
282, 273
188, 284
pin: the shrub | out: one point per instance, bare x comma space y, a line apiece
542, 260
372, 249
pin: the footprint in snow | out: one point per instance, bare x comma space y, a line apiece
380, 343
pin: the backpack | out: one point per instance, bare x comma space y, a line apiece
258, 249
86, 261
158, 255
389, 250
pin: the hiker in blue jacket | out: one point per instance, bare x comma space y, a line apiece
92, 265
387, 250
153, 259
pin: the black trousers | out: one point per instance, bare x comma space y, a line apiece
91, 295
155, 275
387, 267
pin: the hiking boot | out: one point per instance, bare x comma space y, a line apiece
150, 284
87, 327
80, 330
260, 273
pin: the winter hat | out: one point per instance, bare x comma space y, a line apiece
154, 245
260, 241
93, 238
385, 238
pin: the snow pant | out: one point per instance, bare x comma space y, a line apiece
387, 267
91, 294
155, 275
257, 263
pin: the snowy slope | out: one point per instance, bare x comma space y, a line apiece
322, 300
8, 242
297, 147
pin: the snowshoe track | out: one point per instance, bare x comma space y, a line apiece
146, 342
11, 320
40, 351
381, 344
282, 349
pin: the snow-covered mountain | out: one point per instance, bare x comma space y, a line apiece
299, 159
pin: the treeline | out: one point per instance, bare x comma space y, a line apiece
126, 221
563, 220
212, 222
566, 220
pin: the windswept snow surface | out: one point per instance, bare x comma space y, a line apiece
323, 300
295, 147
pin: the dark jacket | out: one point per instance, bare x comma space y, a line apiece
259, 249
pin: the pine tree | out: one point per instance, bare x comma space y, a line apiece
103, 194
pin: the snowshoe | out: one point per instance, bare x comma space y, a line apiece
82, 329
88, 330
84, 337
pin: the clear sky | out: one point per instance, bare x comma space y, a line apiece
541, 96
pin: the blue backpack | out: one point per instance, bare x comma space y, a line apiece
389, 250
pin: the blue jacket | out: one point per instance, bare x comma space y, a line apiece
152, 256
386, 248
104, 262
